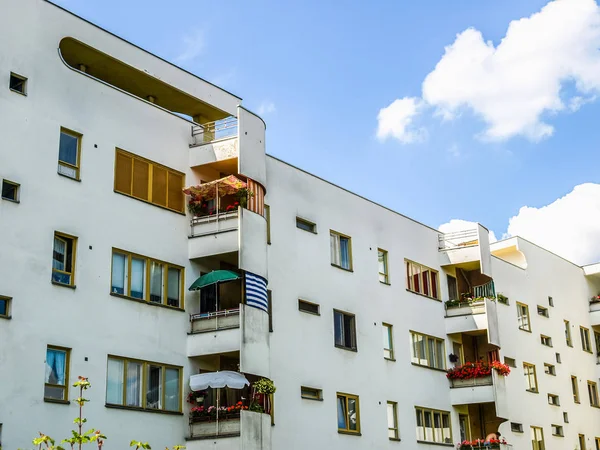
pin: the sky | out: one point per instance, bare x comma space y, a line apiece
447, 112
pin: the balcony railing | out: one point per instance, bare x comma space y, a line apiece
218, 222
457, 239
471, 382
214, 131
218, 320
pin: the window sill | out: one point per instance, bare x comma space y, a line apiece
435, 443
55, 400
70, 178
595, 406
313, 399
577, 402
430, 368
350, 433
532, 391
133, 408
10, 200
5, 317
24, 94
181, 213
395, 439
341, 268
348, 349
426, 296
558, 435
386, 283
588, 351
70, 286
569, 345
308, 231
139, 300
390, 359
523, 329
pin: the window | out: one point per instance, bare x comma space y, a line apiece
63, 259
550, 301
593, 394
543, 311
382, 258
5, 307
566, 417
557, 430
344, 326
428, 351
17, 83
148, 181
305, 225
581, 439
433, 426
69, 153
549, 369
311, 393
308, 307
510, 361
537, 438
586, 344
452, 287
341, 250
388, 341
516, 427
10, 191
270, 309
575, 388
147, 279
553, 400
392, 420
268, 219
597, 339
56, 386
597, 443
348, 413
143, 385
530, 377
546, 340
523, 317
558, 358
568, 334
421, 279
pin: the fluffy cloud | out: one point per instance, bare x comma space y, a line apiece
462, 225
395, 120
513, 86
266, 107
192, 46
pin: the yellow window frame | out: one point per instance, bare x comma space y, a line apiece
427, 338
568, 339
389, 330
310, 393
384, 277
534, 443
593, 394
64, 387
346, 398
77, 166
586, 342
421, 411
394, 430
534, 389
575, 389
339, 235
8, 301
519, 315
409, 266
61, 237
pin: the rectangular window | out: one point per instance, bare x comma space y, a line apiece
543, 311
392, 419
348, 413
568, 334
5, 307
452, 287
557, 430
10, 191
575, 388
581, 439
553, 400
341, 250
135, 276
566, 417
558, 358
69, 153
550, 301
63, 259
549, 369
597, 443
306, 225
382, 259
546, 340
268, 219
421, 279
433, 426
510, 362
311, 393
17, 83
537, 438
388, 341
148, 181
523, 317
143, 385
530, 377
593, 394
344, 326
516, 427
586, 344
56, 385
428, 351
270, 309
308, 307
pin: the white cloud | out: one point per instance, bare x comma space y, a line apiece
266, 107
512, 86
462, 225
396, 119
192, 46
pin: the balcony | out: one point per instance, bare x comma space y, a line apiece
468, 249
211, 132
472, 315
473, 391
215, 321
595, 311
478, 383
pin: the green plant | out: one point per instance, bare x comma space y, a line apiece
243, 194
256, 407
502, 299
264, 386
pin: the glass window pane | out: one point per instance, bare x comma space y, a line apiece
334, 248
119, 273
434, 284
54, 392
420, 431
156, 282
428, 425
134, 384
3, 307
344, 252
114, 381
446, 427
173, 286
439, 353
59, 255
138, 278
56, 366
431, 352
352, 414
338, 325
437, 425
341, 413
154, 387
390, 415
416, 274
425, 277
172, 389
68, 148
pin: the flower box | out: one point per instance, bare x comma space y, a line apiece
482, 381
209, 426
470, 371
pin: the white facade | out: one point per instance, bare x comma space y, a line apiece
297, 263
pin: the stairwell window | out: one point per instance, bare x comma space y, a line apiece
18, 84
421, 279
5, 307
392, 419
341, 250
69, 153
586, 343
10, 191
546, 340
575, 388
433, 426
388, 341
581, 439
56, 385
537, 438
306, 225
549, 369
530, 377
344, 325
63, 259
523, 317
348, 413
553, 400
557, 430
382, 258
568, 333
593, 394
543, 311
428, 351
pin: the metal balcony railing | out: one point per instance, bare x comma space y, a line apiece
457, 239
213, 131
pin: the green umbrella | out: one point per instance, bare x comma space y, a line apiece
214, 277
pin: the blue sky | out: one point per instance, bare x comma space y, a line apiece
321, 73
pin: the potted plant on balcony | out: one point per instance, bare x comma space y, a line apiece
595, 299
469, 372
263, 389
243, 194
502, 299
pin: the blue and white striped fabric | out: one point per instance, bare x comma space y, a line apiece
256, 292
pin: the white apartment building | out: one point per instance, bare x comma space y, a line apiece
367, 310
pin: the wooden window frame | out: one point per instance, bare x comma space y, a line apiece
395, 430
63, 236
64, 387
408, 264
147, 261
559, 429
76, 167
427, 338
343, 347
516, 427
597, 441
519, 311
565, 417
389, 330
151, 166
20, 78
511, 362
306, 302
144, 385
543, 311
348, 397
422, 411
536, 389
541, 430
593, 394
384, 277
550, 301
311, 225
584, 335
568, 338
553, 400
8, 302
547, 339
338, 236
17, 187
307, 393
581, 441
551, 369
575, 389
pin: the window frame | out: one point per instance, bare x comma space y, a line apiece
8, 305
519, 317
427, 338
318, 393
20, 78
395, 430
348, 397
593, 394
551, 369
144, 385
559, 429
511, 362
337, 235
388, 330
543, 311
536, 446
147, 262
575, 389
354, 336
267, 209
432, 412
581, 441
408, 264
545, 340
586, 342
516, 427
301, 301
77, 166
568, 338
17, 187
534, 390
384, 277
62, 236
64, 387
312, 227
553, 399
